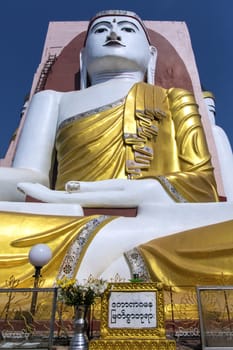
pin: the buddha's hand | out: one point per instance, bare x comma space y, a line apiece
106, 193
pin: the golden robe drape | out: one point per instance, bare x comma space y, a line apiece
199, 256
155, 133
67, 237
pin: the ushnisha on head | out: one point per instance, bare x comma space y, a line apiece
117, 43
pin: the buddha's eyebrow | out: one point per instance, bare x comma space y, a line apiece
106, 23
128, 23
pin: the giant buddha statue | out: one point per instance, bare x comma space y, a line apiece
121, 141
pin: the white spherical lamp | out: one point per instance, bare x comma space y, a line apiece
39, 255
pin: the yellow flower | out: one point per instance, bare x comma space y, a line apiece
71, 292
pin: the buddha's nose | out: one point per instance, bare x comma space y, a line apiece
113, 36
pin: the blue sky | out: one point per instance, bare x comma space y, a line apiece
24, 23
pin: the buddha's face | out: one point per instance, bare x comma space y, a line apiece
117, 43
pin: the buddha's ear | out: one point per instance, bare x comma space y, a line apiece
152, 65
83, 69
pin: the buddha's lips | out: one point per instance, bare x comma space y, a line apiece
113, 43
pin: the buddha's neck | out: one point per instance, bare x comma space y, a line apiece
124, 76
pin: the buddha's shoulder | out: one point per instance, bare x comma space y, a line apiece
171, 91
176, 92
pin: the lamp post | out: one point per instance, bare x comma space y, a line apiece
39, 255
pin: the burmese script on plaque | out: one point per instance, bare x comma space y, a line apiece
132, 310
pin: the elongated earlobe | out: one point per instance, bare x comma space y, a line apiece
83, 70
152, 65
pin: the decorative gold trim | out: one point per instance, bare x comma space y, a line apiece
132, 344
124, 333
90, 113
78, 247
171, 189
137, 264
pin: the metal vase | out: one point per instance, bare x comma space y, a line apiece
80, 340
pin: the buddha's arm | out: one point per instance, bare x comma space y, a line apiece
32, 161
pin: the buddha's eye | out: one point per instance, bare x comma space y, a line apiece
128, 30
100, 30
